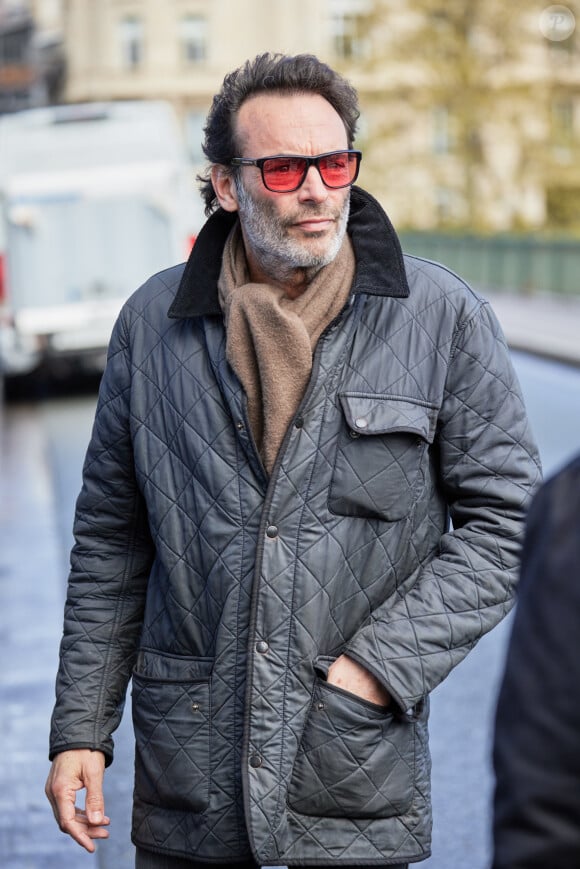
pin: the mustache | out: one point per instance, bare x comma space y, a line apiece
309, 212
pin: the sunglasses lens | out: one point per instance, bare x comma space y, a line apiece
339, 169
282, 174
285, 174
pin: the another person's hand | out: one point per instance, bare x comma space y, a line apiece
70, 772
349, 675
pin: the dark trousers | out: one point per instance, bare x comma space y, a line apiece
148, 860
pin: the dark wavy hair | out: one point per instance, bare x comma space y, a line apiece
270, 73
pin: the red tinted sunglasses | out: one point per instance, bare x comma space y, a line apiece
285, 173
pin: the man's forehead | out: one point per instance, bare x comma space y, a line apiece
282, 121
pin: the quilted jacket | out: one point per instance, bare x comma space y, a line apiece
225, 594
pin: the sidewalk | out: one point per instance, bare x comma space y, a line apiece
545, 325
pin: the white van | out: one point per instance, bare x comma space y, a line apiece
93, 199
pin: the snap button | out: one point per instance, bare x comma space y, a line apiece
272, 531
195, 707
320, 706
255, 761
262, 647
240, 425
361, 422
299, 422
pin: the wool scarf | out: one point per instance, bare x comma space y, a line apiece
270, 338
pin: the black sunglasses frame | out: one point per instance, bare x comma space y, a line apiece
309, 161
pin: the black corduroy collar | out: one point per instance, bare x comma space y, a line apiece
380, 268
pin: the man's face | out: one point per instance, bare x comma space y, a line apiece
304, 229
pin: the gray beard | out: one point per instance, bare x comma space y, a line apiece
277, 253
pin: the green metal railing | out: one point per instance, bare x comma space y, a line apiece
523, 264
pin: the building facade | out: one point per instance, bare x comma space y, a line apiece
177, 50
470, 111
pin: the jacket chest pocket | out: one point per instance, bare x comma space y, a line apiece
381, 457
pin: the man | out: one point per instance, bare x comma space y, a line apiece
537, 739
284, 427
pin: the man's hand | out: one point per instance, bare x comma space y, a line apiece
70, 772
347, 674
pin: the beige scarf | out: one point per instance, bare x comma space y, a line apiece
271, 338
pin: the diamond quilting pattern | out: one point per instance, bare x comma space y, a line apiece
409, 604
377, 475
354, 760
170, 718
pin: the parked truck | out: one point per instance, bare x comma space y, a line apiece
93, 199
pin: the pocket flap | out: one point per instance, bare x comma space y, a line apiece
155, 665
381, 414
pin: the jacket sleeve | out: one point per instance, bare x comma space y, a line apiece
110, 564
487, 468
537, 738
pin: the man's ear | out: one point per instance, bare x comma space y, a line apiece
225, 187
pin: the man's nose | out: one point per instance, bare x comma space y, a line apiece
313, 188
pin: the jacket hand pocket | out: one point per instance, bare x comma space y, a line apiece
380, 458
171, 716
355, 759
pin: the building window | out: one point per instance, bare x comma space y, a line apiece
443, 204
194, 124
562, 122
442, 138
348, 41
193, 38
349, 28
14, 46
563, 207
131, 38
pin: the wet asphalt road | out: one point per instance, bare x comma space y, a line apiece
42, 448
